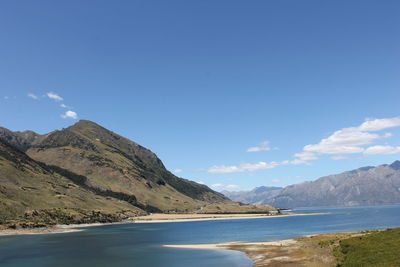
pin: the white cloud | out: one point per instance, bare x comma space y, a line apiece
178, 170
305, 156
275, 180
349, 140
249, 167
264, 146
339, 157
200, 182
33, 96
379, 124
232, 186
69, 115
225, 187
54, 96
382, 150
298, 162
346, 141
63, 106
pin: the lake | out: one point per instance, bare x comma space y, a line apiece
140, 244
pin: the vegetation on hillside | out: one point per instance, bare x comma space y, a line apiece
86, 173
33, 194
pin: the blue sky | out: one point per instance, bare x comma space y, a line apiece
201, 82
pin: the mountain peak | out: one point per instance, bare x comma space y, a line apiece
85, 124
395, 165
262, 189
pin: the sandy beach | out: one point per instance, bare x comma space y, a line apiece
227, 246
56, 229
165, 218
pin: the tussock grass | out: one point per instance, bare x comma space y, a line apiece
377, 248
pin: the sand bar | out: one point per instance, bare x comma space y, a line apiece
167, 218
301, 251
228, 246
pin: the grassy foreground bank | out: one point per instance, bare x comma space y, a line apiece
358, 249
375, 248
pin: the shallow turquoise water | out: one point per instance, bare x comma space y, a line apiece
140, 244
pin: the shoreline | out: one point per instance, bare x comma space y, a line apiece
310, 250
153, 218
171, 218
229, 245
53, 229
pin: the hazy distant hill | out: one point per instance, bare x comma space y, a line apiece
255, 196
364, 186
106, 164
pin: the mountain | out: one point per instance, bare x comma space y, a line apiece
33, 192
109, 165
20, 140
255, 196
364, 186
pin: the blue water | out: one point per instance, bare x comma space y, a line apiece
140, 244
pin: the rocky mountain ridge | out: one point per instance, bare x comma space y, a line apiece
364, 186
108, 165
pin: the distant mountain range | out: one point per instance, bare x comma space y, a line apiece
364, 186
255, 196
87, 173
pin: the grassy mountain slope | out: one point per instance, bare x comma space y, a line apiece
113, 163
30, 191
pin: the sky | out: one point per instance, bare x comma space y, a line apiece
233, 94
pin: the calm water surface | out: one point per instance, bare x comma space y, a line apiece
140, 244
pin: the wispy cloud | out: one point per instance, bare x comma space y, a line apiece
339, 157
371, 125
382, 150
200, 182
54, 96
264, 146
249, 167
6, 97
33, 96
350, 140
306, 156
225, 187
70, 115
346, 141
275, 180
177, 170
63, 106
